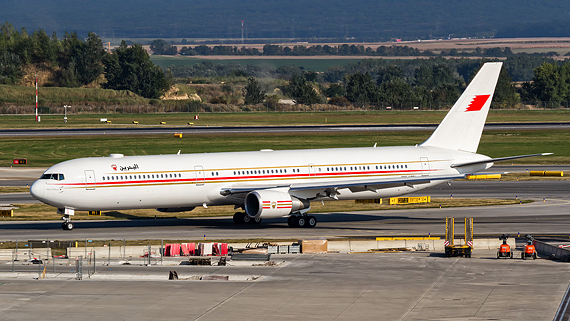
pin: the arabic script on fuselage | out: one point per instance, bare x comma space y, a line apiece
129, 168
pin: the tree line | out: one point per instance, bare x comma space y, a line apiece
73, 62
161, 47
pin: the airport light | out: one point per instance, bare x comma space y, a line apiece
65, 117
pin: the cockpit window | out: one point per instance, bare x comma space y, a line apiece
57, 177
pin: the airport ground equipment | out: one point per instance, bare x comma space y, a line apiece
504, 250
458, 250
529, 249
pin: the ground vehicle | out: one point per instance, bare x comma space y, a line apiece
458, 250
505, 249
529, 249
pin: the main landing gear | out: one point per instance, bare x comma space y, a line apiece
243, 218
302, 221
66, 225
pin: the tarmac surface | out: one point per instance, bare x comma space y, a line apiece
142, 130
389, 286
335, 286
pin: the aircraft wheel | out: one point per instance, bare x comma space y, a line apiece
255, 220
291, 221
311, 221
64, 226
67, 226
246, 218
237, 218
300, 221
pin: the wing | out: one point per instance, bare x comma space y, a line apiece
371, 184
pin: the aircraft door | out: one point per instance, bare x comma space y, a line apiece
311, 171
425, 166
200, 178
90, 180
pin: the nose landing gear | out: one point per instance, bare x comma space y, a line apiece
66, 225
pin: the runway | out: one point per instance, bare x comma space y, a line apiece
120, 130
549, 214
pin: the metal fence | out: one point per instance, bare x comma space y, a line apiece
40, 259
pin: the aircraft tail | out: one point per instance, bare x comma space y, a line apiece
462, 127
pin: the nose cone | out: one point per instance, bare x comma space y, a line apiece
37, 190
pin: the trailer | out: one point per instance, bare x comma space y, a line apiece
451, 249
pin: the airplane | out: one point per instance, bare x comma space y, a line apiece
277, 183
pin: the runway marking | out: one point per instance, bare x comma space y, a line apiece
563, 313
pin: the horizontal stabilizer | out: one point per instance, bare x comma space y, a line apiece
494, 160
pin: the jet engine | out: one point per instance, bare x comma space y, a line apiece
272, 203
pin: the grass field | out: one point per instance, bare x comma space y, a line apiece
308, 63
273, 118
46, 151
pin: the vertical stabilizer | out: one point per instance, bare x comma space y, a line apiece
462, 127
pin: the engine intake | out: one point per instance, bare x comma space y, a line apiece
272, 203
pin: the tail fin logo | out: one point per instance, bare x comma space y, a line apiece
477, 103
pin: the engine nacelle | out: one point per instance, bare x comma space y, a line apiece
272, 203
175, 209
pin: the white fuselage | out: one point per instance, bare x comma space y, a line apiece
187, 180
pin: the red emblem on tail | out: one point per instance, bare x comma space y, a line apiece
477, 103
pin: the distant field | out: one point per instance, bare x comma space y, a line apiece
314, 64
